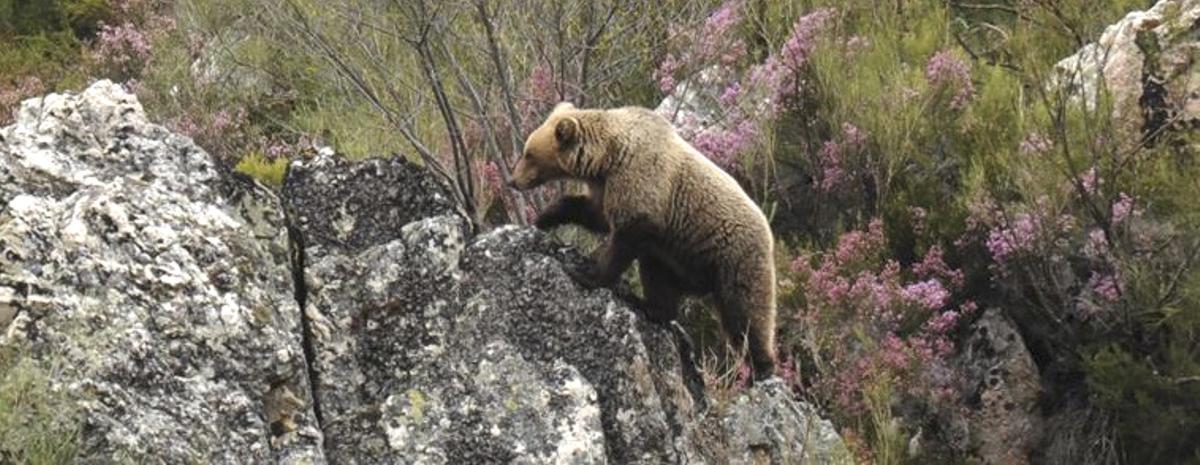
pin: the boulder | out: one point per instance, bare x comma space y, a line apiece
155, 290
1146, 62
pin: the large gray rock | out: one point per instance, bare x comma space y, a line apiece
159, 290
1146, 62
433, 347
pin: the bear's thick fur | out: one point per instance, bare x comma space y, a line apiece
691, 227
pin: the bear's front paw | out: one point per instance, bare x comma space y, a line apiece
546, 222
590, 277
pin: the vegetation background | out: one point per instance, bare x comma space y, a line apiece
915, 160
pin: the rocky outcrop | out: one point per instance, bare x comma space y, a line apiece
190, 316
159, 290
1146, 63
444, 349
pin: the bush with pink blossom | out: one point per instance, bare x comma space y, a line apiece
860, 321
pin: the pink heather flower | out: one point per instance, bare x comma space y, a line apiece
122, 44
800, 264
835, 289
724, 145
933, 265
491, 173
1096, 245
853, 136
714, 37
774, 82
725, 18
539, 93
1015, 239
666, 74
942, 348
928, 293
1035, 144
873, 295
833, 154
777, 75
186, 125
222, 120
923, 349
856, 245
712, 42
540, 85
968, 308
277, 149
1090, 180
894, 352
857, 42
1105, 286
798, 47
945, 70
1122, 208
830, 157
729, 96
944, 322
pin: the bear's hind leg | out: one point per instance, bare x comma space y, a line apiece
661, 289
747, 314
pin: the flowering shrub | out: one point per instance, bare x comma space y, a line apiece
949, 73
867, 322
123, 45
122, 50
720, 103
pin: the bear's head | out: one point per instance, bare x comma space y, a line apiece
550, 151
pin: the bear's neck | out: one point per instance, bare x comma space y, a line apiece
592, 160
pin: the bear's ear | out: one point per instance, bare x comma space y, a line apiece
563, 106
566, 132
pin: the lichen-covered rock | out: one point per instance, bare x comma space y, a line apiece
433, 347
343, 207
1004, 391
765, 425
1147, 64
159, 290
430, 350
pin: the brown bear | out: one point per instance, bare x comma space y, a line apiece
691, 227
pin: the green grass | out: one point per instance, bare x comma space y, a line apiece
257, 166
38, 424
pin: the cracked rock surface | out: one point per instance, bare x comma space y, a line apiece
198, 318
